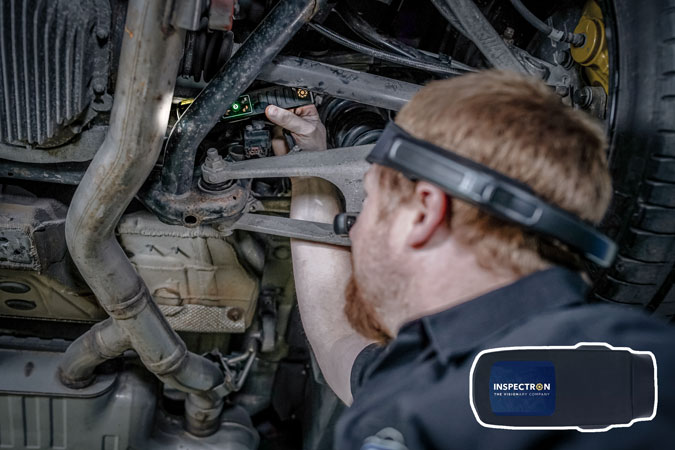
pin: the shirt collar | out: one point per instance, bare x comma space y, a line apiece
461, 328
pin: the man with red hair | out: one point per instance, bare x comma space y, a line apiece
432, 280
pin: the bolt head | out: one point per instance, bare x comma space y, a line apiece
212, 153
213, 167
583, 97
563, 58
99, 86
101, 33
235, 314
562, 91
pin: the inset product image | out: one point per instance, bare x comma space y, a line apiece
591, 386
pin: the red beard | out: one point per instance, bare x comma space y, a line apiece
362, 315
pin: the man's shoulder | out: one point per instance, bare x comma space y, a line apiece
591, 322
433, 394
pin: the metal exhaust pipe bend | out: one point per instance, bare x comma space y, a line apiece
147, 73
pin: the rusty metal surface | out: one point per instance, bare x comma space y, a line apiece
36, 277
221, 14
31, 232
17, 249
193, 274
196, 207
148, 66
277, 29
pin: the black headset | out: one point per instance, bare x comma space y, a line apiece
485, 188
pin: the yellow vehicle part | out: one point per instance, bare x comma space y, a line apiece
593, 55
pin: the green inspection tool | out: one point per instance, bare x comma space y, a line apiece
242, 107
254, 103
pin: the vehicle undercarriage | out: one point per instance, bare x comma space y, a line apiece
146, 288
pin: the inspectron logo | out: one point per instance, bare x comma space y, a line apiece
521, 386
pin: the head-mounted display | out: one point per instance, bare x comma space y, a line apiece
488, 190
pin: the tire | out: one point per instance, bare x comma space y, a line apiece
641, 38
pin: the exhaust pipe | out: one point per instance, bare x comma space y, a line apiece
147, 73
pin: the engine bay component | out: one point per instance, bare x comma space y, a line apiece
51, 76
199, 205
192, 273
205, 53
36, 274
213, 167
172, 196
27, 227
274, 32
257, 140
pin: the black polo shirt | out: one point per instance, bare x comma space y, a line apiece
419, 383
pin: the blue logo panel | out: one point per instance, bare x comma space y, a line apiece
522, 388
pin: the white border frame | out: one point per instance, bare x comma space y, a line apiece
564, 347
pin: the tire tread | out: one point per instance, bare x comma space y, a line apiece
643, 273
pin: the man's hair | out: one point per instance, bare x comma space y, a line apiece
519, 127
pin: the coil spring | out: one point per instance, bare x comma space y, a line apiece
205, 53
349, 123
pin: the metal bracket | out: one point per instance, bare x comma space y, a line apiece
221, 14
480, 31
292, 228
267, 310
235, 370
343, 167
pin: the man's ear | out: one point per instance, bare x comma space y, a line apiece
430, 205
